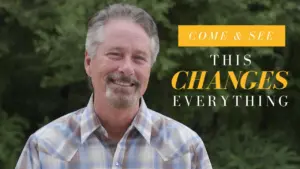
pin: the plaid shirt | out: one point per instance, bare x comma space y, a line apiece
77, 141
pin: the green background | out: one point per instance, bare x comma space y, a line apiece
42, 75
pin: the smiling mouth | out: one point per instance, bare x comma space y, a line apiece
122, 83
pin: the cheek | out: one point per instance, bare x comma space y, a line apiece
102, 67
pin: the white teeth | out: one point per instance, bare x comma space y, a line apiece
122, 83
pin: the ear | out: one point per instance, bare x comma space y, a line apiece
87, 64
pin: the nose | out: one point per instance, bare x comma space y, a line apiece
126, 67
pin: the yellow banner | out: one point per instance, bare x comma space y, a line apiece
231, 35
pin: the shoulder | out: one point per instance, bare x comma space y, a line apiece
59, 136
66, 124
171, 137
164, 124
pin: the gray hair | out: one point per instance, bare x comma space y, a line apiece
134, 13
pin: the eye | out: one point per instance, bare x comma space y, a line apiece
140, 58
114, 55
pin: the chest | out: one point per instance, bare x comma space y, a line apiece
134, 154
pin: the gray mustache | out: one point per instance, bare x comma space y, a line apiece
120, 77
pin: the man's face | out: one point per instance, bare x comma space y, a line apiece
121, 68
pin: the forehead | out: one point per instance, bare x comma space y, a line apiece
124, 33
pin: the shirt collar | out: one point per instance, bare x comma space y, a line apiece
143, 121
90, 121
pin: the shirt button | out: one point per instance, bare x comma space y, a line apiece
117, 164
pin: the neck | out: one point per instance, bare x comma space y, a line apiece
115, 121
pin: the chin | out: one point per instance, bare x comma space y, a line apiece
121, 101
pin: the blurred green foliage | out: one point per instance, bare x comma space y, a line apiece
12, 137
42, 75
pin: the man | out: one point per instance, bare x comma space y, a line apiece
116, 129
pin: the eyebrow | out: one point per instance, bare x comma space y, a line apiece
116, 48
122, 49
142, 52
